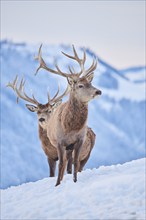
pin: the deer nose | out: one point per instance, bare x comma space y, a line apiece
41, 119
98, 92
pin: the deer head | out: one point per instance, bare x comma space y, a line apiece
79, 82
43, 111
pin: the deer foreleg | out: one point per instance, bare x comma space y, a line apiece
77, 150
63, 168
62, 161
52, 166
69, 161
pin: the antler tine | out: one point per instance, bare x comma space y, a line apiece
84, 56
48, 96
13, 84
91, 68
75, 53
51, 100
59, 72
76, 57
32, 100
20, 91
72, 72
25, 97
61, 96
44, 66
21, 87
40, 59
67, 55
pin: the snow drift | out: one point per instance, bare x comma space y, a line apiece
112, 192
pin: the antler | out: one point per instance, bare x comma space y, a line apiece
49, 99
56, 99
20, 91
75, 57
82, 62
44, 66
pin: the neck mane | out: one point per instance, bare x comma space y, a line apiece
42, 131
76, 114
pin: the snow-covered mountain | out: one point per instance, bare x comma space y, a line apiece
136, 74
114, 192
117, 117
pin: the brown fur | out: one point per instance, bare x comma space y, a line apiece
76, 117
51, 151
85, 151
88, 144
67, 124
87, 148
48, 148
43, 113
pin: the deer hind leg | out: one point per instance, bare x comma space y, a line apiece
52, 165
77, 150
69, 161
83, 162
62, 162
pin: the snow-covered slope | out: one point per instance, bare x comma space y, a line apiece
135, 74
117, 117
114, 192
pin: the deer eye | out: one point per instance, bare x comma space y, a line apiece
49, 111
81, 86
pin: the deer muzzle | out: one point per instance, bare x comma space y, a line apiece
41, 119
98, 92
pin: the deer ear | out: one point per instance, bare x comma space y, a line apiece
90, 77
70, 81
32, 108
57, 104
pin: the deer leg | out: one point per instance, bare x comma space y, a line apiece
61, 154
52, 166
83, 162
77, 150
63, 169
69, 161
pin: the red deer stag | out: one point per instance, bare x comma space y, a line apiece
68, 124
44, 112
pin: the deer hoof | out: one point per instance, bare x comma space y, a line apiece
58, 183
69, 172
75, 179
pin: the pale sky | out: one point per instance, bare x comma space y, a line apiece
115, 30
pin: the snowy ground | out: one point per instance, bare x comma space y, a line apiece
108, 193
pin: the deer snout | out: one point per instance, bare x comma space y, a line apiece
98, 92
41, 119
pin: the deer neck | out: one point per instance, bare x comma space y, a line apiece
77, 114
42, 132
